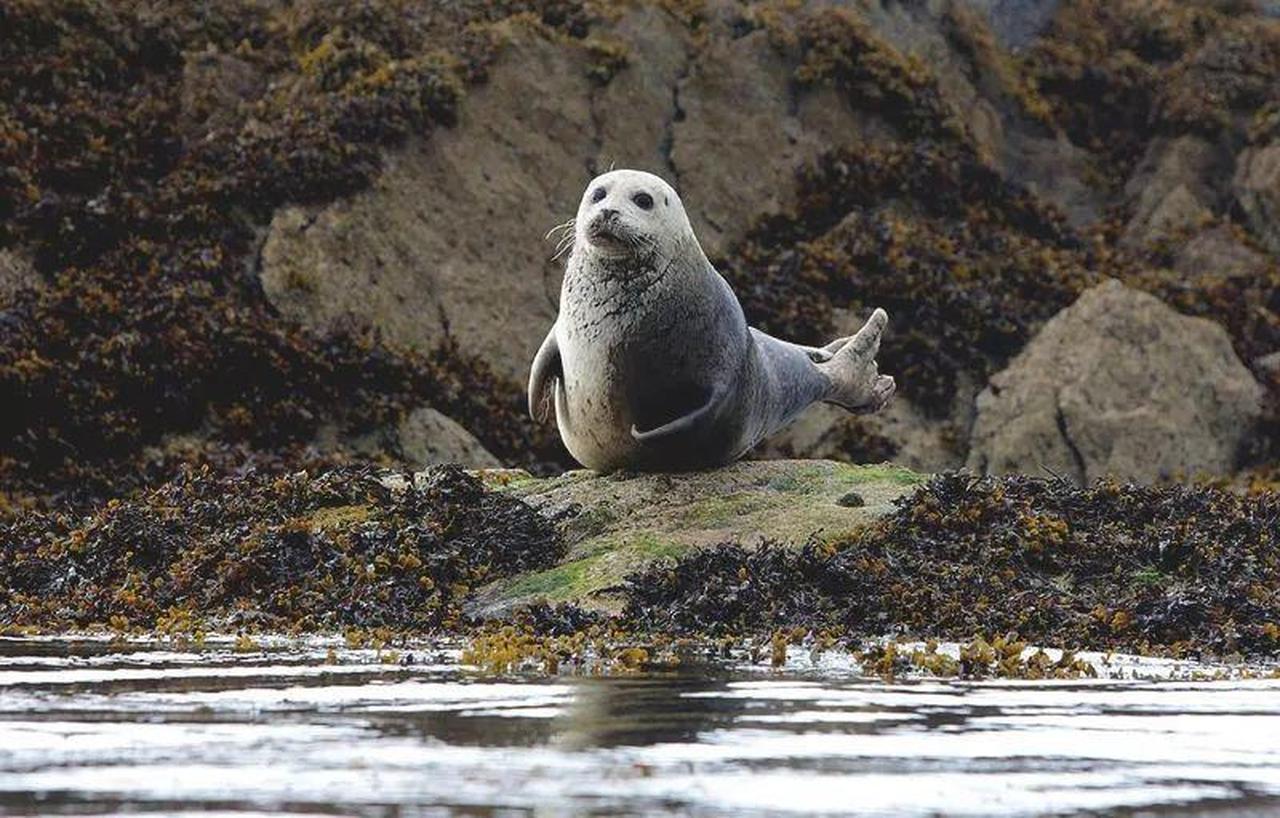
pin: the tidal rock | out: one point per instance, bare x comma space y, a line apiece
1118, 384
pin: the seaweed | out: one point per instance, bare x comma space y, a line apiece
1172, 570
967, 264
345, 548
139, 205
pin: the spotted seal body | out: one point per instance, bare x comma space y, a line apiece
651, 365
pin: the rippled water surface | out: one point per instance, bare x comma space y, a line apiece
92, 728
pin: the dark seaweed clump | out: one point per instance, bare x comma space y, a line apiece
298, 553
967, 263
142, 147
1172, 570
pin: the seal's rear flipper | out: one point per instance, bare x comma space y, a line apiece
856, 383
682, 423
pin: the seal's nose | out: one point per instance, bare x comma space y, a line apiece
608, 213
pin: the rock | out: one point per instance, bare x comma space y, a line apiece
1257, 190
1173, 188
637, 109
1016, 23
1268, 366
743, 131
1218, 253
1118, 384
424, 437
617, 524
215, 89
428, 438
449, 240
16, 273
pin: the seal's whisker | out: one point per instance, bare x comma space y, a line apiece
563, 227
564, 249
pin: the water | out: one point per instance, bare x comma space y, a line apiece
94, 728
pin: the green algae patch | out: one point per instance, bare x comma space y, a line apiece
620, 523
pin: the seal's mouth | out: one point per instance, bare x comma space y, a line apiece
608, 233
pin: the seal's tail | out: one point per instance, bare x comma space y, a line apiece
856, 383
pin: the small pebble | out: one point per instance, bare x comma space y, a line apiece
851, 500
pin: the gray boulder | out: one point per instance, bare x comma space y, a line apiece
1118, 384
427, 438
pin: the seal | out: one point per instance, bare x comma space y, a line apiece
650, 364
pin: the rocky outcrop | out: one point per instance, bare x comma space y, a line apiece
1118, 384
450, 238
617, 524
1257, 189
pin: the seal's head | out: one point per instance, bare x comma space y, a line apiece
630, 214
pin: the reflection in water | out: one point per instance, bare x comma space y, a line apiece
636, 712
89, 728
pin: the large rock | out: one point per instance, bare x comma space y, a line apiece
742, 132
450, 237
1257, 189
1118, 384
615, 525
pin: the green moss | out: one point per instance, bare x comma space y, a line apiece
608, 561
713, 512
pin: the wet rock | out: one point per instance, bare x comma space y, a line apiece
1118, 384
1257, 190
616, 524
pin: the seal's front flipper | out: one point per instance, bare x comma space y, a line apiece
682, 423
856, 383
546, 366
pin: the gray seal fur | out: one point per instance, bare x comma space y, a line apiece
651, 365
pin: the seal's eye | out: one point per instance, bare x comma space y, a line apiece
643, 201
597, 194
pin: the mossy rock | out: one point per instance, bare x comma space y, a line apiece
621, 523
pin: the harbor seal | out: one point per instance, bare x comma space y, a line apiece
651, 365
